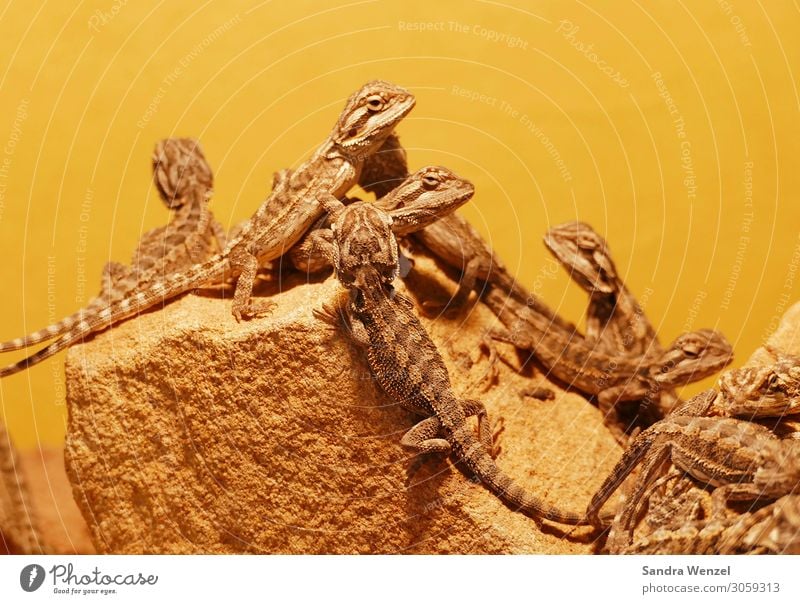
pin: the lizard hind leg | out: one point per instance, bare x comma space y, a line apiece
625, 522
458, 302
424, 439
488, 432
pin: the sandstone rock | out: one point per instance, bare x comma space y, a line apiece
59, 522
17, 518
191, 433
37, 512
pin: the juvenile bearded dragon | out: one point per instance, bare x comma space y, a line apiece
610, 377
368, 120
184, 181
615, 322
745, 461
406, 363
434, 191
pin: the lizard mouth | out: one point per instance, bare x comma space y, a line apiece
392, 115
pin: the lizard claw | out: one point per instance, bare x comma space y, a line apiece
255, 310
327, 314
499, 428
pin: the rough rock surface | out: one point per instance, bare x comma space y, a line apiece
59, 522
37, 512
190, 433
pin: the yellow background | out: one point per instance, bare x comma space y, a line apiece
87, 91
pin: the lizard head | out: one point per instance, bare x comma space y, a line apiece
370, 116
427, 195
585, 255
179, 167
363, 239
763, 391
692, 357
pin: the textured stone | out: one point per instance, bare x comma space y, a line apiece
191, 433
58, 520
37, 512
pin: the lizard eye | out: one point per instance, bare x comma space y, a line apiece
430, 182
375, 102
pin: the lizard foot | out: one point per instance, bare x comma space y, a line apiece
425, 459
538, 392
497, 430
255, 310
327, 314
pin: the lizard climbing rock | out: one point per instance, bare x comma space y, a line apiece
406, 363
184, 181
190, 432
364, 126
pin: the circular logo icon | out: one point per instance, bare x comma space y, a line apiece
31, 577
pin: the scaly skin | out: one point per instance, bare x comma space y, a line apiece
406, 363
366, 123
615, 322
184, 181
775, 528
456, 243
612, 378
745, 461
429, 194
763, 391
18, 533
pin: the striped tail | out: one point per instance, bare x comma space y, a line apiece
135, 303
503, 486
52, 331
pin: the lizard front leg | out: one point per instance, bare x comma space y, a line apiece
424, 437
314, 253
246, 265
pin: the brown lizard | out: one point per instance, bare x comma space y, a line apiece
18, 533
612, 378
615, 321
764, 391
369, 118
775, 528
432, 190
457, 244
406, 363
184, 182
745, 461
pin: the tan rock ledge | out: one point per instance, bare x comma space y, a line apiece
190, 433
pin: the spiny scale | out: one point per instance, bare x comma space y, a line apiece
408, 366
184, 181
368, 120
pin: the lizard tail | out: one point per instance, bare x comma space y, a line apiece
51, 331
158, 293
504, 487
